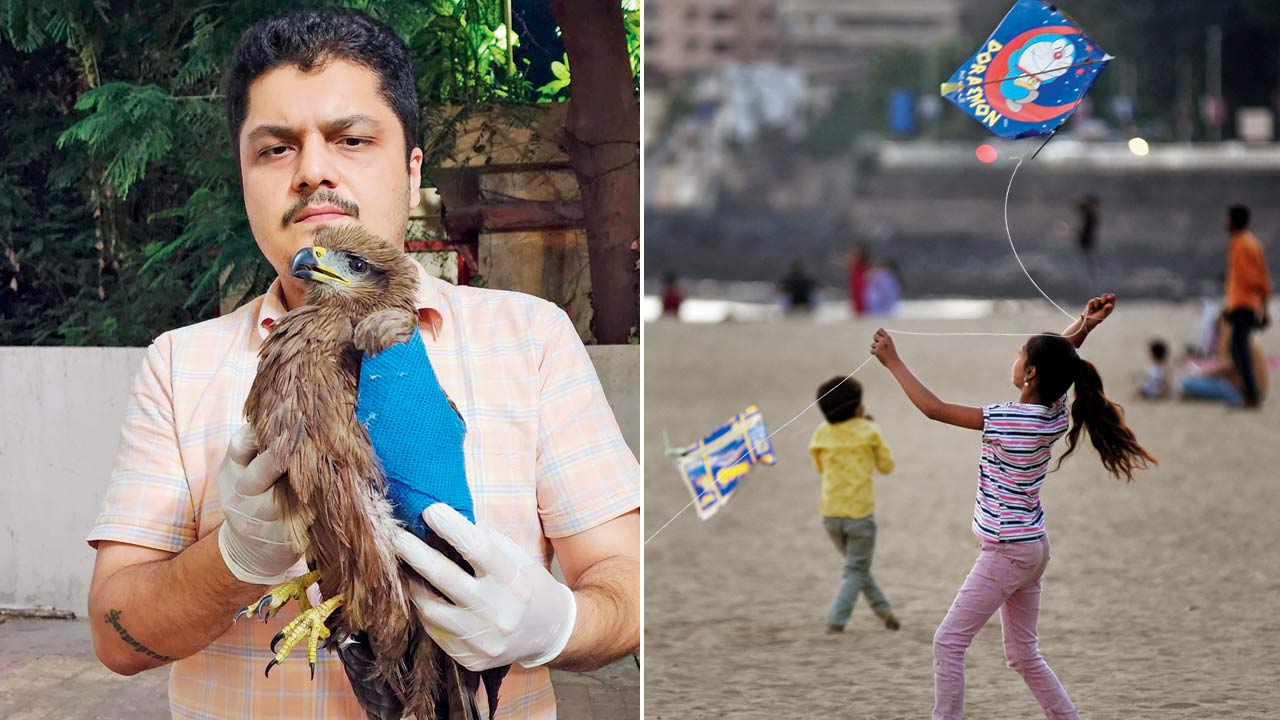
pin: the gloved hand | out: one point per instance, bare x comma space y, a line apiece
511, 611
253, 539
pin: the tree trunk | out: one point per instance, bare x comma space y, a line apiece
602, 139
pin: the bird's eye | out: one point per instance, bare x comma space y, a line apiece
358, 265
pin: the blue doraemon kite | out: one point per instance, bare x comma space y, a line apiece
1041, 62
1030, 75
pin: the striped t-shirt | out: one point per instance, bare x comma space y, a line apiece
1016, 443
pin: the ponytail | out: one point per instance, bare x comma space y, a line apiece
1104, 419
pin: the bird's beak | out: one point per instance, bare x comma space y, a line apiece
309, 264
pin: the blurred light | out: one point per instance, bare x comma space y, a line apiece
1138, 146
986, 153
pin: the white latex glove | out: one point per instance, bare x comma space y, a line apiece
511, 611
253, 539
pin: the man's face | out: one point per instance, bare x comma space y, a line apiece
316, 142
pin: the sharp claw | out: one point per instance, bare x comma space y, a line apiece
265, 601
270, 665
276, 640
313, 670
238, 616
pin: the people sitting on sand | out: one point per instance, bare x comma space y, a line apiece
1217, 379
1155, 381
883, 289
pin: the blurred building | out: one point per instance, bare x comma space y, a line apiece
684, 38
833, 41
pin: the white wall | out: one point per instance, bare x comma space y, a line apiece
60, 415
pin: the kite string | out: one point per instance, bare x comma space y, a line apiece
1009, 236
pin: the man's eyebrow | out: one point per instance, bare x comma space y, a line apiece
339, 124
347, 121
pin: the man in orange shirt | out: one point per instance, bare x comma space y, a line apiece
1248, 288
323, 116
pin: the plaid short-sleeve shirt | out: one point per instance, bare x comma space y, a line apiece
544, 459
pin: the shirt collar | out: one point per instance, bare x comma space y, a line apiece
271, 309
429, 301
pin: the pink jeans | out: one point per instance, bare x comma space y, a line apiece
1006, 576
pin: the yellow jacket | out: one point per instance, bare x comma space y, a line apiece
845, 455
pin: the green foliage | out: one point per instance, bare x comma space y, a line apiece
133, 126
631, 17
122, 215
558, 89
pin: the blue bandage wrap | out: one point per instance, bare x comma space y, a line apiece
416, 433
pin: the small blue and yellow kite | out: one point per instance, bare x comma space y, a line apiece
716, 466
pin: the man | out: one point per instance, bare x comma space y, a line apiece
858, 267
797, 289
323, 118
1087, 233
1248, 288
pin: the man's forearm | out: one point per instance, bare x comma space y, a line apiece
150, 614
608, 620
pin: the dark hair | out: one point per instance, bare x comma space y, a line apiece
839, 398
1159, 350
1239, 217
310, 37
1058, 367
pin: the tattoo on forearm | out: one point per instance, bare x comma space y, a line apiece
113, 619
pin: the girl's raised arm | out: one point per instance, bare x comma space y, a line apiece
1094, 313
964, 416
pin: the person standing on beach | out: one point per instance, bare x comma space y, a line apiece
672, 295
1017, 443
859, 264
1248, 288
1087, 236
846, 450
797, 288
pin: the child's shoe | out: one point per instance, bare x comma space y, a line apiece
834, 629
890, 621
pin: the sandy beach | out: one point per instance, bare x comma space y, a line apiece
1162, 599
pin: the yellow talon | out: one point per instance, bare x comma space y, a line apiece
308, 624
277, 596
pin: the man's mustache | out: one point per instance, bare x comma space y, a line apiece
320, 197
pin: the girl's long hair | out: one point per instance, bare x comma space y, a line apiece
1058, 367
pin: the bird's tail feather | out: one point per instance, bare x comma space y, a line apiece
458, 687
371, 689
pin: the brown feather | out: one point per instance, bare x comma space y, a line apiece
302, 406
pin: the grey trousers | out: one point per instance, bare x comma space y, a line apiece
856, 541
